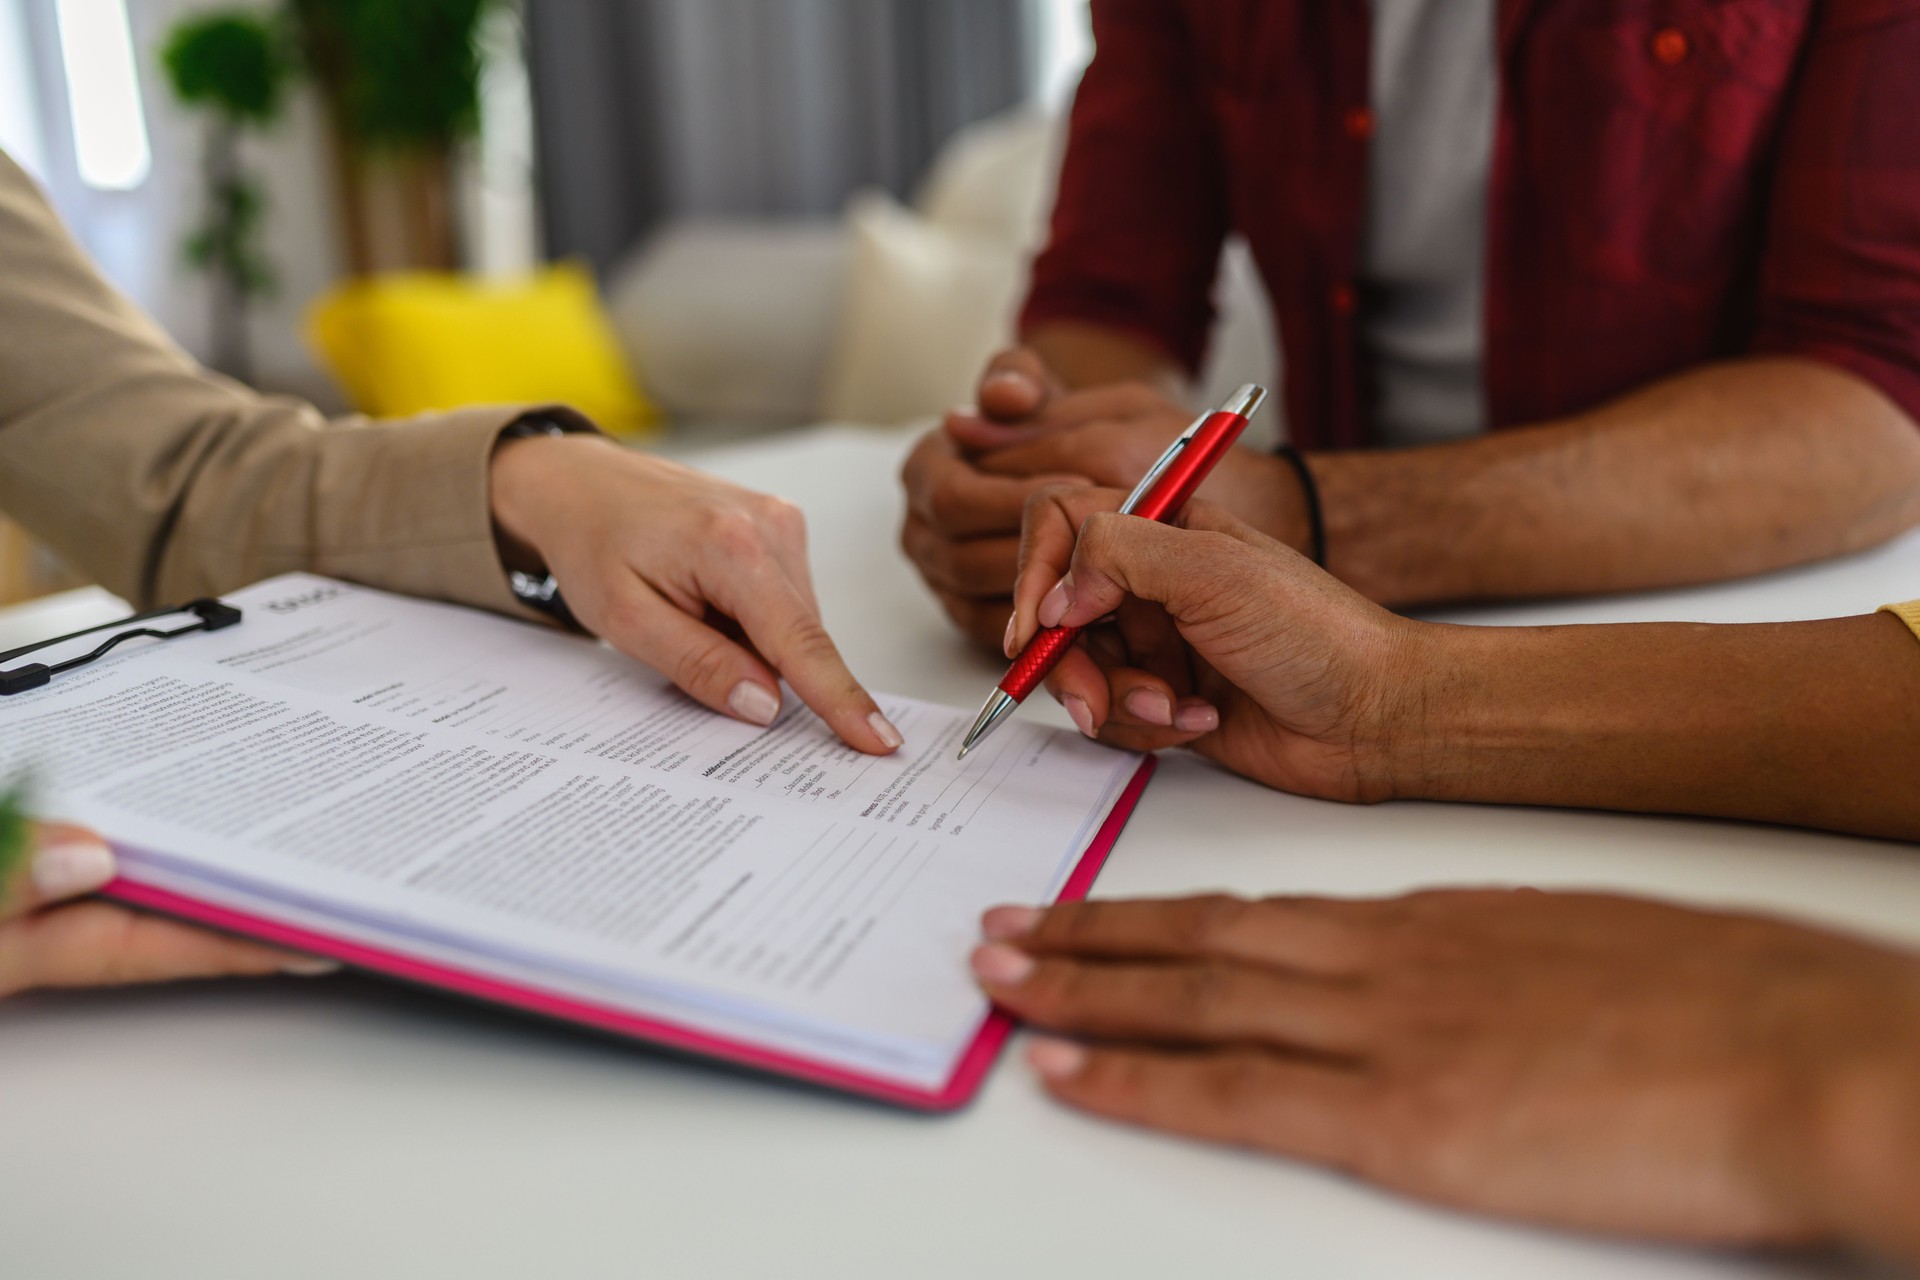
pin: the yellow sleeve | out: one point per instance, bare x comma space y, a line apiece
1908, 613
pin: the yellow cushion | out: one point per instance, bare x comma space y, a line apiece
416, 342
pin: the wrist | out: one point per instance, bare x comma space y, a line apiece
527, 483
1417, 724
1389, 532
1533, 715
1486, 715
1269, 495
1313, 542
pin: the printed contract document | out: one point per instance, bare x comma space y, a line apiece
491, 806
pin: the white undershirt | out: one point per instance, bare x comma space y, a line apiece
1423, 260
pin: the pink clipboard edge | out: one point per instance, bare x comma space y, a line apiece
959, 1089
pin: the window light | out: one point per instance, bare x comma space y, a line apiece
103, 94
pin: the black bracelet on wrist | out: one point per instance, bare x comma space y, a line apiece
1316, 524
531, 425
538, 591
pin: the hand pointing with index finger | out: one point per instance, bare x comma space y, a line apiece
704, 581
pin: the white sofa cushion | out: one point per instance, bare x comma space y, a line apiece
887, 316
997, 179
924, 308
732, 321
933, 295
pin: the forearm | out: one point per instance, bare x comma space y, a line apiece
164, 482
1089, 355
1809, 724
1728, 470
209, 496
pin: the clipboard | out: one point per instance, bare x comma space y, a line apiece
373, 924
209, 615
960, 1087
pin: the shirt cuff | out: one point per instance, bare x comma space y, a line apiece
1908, 613
433, 476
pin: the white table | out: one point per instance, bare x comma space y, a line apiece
349, 1128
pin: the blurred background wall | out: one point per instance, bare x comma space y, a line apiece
132, 219
696, 219
644, 110
651, 110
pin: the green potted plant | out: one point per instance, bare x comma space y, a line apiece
401, 84
233, 67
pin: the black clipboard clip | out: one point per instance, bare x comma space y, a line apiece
213, 615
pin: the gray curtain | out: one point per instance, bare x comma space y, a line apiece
653, 109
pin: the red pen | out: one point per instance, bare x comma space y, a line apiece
1166, 487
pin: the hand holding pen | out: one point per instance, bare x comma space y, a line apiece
1160, 495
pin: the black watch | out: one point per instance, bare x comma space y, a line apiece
536, 590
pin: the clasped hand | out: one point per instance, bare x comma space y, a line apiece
968, 480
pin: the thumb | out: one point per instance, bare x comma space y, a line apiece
1189, 572
62, 862
1016, 385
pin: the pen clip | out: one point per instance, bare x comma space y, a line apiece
1160, 465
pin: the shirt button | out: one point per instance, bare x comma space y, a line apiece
1671, 46
1344, 300
1359, 122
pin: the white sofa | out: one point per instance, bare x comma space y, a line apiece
884, 315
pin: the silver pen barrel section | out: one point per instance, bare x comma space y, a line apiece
1246, 401
997, 708
1158, 469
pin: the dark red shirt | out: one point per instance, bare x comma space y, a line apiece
1674, 182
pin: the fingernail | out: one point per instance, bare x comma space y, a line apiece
1082, 714
1007, 378
70, 869
966, 411
1004, 924
310, 967
1058, 601
1006, 645
1151, 705
884, 730
1056, 1059
1196, 719
1002, 966
752, 701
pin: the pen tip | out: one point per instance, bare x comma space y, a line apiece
964, 748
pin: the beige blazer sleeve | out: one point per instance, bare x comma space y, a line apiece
164, 482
